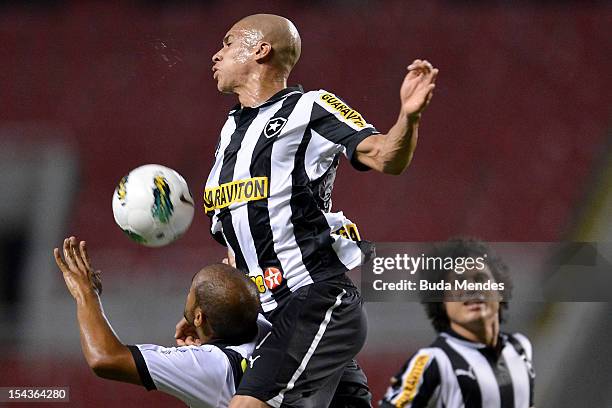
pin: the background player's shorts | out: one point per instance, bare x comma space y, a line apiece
314, 337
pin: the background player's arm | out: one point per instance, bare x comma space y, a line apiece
392, 153
105, 354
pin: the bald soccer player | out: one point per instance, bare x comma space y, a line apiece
221, 310
269, 199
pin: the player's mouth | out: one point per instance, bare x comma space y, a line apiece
215, 71
474, 304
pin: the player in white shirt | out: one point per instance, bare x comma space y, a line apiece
221, 311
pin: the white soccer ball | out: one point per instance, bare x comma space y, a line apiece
153, 205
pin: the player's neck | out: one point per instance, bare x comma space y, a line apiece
485, 333
260, 87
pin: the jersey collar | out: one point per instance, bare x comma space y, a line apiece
274, 98
501, 341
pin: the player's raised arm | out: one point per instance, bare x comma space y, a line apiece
105, 354
392, 153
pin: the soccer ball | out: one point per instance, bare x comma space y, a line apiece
153, 205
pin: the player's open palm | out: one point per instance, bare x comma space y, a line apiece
417, 88
76, 268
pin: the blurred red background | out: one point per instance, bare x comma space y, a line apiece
520, 117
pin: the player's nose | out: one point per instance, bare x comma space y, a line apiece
217, 56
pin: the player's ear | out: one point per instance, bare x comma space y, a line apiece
263, 52
199, 319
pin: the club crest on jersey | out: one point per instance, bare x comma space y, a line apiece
273, 278
274, 126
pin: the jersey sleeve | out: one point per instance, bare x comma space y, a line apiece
193, 374
336, 127
416, 385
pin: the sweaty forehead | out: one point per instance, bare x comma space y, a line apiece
244, 29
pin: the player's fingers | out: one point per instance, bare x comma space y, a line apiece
414, 63
431, 75
429, 96
420, 66
68, 254
180, 328
74, 250
59, 261
434, 75
180, 342
428, 93
78, 256
189, 341
85, 254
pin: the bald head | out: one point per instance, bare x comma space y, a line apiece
229, 300
279, 32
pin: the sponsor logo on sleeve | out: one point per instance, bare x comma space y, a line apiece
412, 380
349, 231
350, 115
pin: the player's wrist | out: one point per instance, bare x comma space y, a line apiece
87, 296
409, 118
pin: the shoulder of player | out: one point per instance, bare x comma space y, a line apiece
422, 359
323, 96
524, 342
212, 357
422, 364
204, 351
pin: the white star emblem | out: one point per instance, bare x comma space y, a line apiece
274, 127
273, 277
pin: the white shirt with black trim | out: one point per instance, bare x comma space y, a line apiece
200, 376
455, 372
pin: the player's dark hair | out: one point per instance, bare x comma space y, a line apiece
461, 248
230, 302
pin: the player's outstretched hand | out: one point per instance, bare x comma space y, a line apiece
185, 334
76, 268
417, 89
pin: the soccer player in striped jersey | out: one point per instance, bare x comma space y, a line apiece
471, 363
222, 310
269, 199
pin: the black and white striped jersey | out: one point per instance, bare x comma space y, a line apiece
269, 191
454, 372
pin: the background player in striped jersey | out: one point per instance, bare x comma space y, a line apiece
268, 196
221, 308
471, 363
